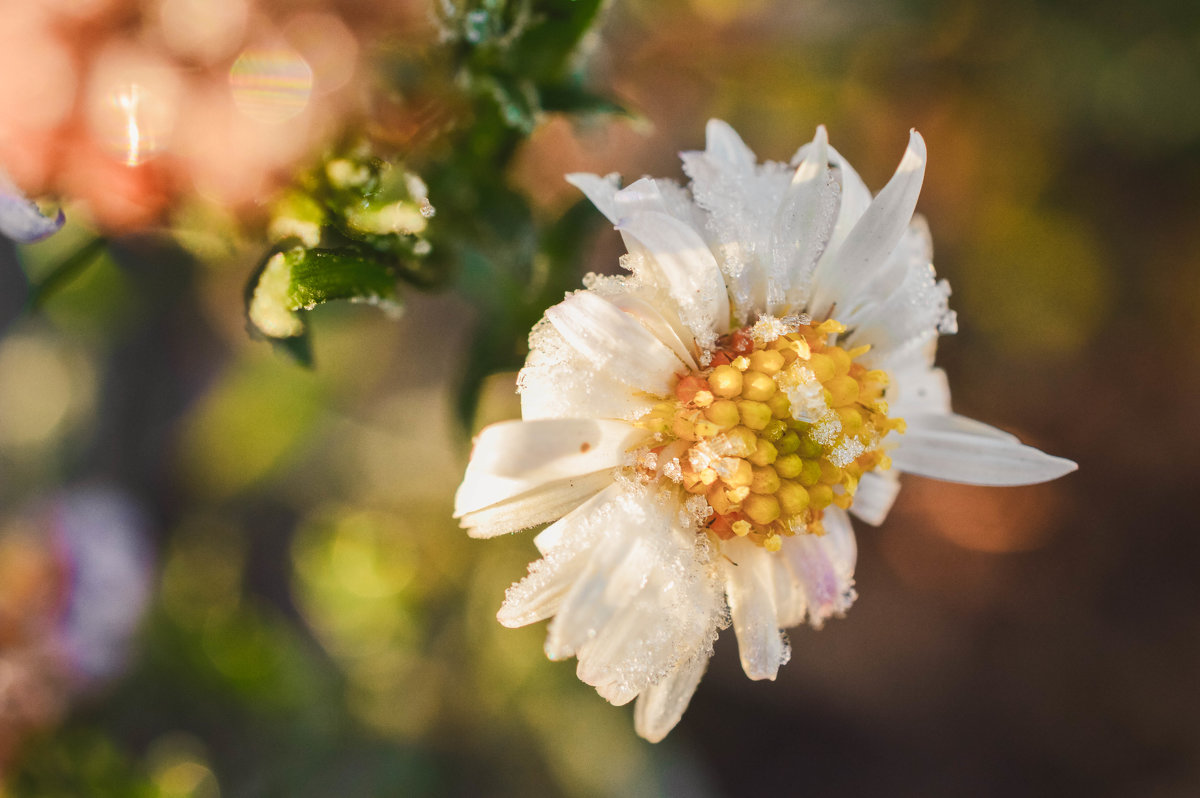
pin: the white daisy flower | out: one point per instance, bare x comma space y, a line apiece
701, 429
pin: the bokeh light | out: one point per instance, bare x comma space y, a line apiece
204, 30
271, 84
133, 99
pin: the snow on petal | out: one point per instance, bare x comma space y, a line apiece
909, 307
615, 343
802, 228
932, 450
642, 603
538, 595
558, 382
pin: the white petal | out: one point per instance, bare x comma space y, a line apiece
876, 493
722, 143
749, 586
658, 196
918, 390
742, 201
825, 566
952, 422
558, 382
645, 599
855, 196
539, 595
932, 449
653, 320
802, 227
544, 503
661, 705
599, 190
688, 269
514, 457
791, 601
615, 343
843, 274
907, 306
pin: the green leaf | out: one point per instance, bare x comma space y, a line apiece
300, 279
572, 99
545, 51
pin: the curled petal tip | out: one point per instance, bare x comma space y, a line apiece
915, 155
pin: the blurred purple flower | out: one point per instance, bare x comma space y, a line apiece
20, 219
101, 536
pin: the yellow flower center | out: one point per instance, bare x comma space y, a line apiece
780, 425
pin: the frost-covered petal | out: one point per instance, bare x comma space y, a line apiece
843, 275
688, 269
514, 457
615, 343
558, 382
802, 228
933, 449
643, 602
20, 219
544, 503
742, 200
539, 594
661, 705
750, 589
876, 494
910, 308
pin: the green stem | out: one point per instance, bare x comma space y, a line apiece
62, 274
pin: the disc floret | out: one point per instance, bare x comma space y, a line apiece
782, 423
